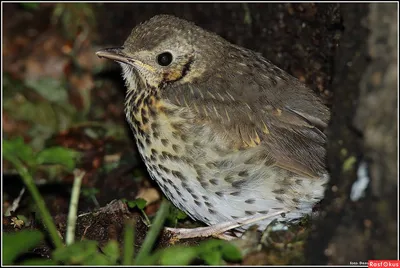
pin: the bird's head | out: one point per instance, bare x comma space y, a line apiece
165, 50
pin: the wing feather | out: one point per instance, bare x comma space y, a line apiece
261, 106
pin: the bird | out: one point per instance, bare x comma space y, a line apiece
230, 138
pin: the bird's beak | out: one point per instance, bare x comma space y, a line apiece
118, 55
115, 54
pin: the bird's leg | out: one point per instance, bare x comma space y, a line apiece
219, 229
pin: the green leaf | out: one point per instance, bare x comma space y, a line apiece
226, 251
181, 215
37, 262
14, 244
97, 259
212, 257
131, 203
174, 215
139, 202
76, 253
84, 252
111, 250
88, 192
58, 155
231, 252
178, 255
50, 89
17, 149
211, 245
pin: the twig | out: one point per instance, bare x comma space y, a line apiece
73, 206
14, 206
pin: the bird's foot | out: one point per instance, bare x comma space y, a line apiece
219, 230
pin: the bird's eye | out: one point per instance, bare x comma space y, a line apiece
164, 59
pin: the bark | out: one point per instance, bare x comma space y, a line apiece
363, 133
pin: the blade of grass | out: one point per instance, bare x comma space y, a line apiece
153, 233
46, 217
73, 206
129, 243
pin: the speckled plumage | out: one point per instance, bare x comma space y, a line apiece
224, 132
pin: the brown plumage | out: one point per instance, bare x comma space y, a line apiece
224, 132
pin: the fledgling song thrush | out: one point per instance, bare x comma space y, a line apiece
230, 138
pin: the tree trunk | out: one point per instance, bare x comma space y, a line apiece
363, 135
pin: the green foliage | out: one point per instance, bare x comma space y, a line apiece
129, 241
175, 215
88, 252
150, 239
17, 149
178, 255
47, 115
58, 155
89, 192
78, 253
30, 6
39, 262
211, 252
26, 162
111, 250
140, 203
15, 244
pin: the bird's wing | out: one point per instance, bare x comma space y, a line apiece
281, 115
